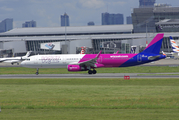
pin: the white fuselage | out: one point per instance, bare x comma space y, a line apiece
51, 61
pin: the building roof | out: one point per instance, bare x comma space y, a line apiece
57, 33
69, 30
86, 37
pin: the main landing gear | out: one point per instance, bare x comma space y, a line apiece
92, 71
37, 71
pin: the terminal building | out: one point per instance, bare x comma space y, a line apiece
147, 17
109, 39
21, 40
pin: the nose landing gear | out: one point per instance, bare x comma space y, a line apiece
37, 71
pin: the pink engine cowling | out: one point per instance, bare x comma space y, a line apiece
75, 68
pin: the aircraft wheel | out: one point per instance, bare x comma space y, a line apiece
90, 72
37, 71
94, 71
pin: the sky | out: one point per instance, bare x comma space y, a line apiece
47, 13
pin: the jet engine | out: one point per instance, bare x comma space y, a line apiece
74, 68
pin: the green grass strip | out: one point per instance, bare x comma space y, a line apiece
99, 99
136, 69
89, 93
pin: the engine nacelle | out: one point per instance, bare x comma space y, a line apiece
74, 68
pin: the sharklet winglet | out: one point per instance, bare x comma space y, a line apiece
97, 56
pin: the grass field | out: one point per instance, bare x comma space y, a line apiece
136, 69
90, 99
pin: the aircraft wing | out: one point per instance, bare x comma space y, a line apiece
16, 59
90, 63
9, 59
2, 60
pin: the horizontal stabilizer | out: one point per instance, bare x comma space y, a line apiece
153, 57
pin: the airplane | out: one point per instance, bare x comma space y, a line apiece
174, 45
89, 62
175, 49
13, 60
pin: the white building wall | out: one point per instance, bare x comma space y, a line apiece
1, 45
17, 46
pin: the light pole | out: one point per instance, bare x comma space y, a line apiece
65, 29
146, 34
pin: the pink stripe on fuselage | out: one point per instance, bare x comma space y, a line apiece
109, 60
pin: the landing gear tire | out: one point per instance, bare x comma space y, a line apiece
94, 71
90, 72
37, 71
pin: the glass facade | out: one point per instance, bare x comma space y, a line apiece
146, 3
167, 26
144, 19
129, 20
29, 24
91, 23
35, 46
106, 44
65, 20
124, 47
110, 45
6, 25
112, 19
166, 46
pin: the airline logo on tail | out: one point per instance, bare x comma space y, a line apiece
174, 45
